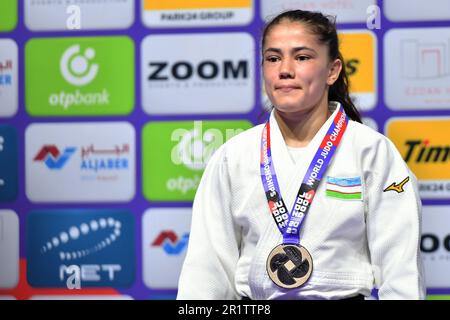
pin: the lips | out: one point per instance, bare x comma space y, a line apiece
287, 88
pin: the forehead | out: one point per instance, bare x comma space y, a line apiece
291, 34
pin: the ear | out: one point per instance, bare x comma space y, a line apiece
334, 71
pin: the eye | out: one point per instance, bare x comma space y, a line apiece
272, 58
303, 58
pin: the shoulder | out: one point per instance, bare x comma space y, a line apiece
374, 150
364, 137
363, 133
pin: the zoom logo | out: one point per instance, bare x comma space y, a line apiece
76, 248
53, 159
219, 78
431, 243
184, 70
170, 243
435, 245
77, 68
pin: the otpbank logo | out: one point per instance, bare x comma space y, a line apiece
196, 13
80, 162
359, 49
8, 163
78, 15
170, 242
438, 297
424, 144
53, 158
176, 153
80, 248
165, 240
79, 76
8, 15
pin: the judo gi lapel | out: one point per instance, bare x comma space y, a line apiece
289, 173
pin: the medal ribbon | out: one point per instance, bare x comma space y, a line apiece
290, 223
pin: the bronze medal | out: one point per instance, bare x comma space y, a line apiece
289, 266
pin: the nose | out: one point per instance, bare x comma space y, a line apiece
286, 70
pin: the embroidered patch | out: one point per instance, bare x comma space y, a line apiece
344, 188
398, 187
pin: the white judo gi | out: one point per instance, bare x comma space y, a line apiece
355, 244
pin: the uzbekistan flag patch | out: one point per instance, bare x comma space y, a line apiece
344, 188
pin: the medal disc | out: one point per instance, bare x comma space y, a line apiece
289, 266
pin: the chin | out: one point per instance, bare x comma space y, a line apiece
289, 107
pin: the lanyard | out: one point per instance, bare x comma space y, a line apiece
290, 223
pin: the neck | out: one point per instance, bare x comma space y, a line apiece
299, 128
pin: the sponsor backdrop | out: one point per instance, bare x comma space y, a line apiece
110, 110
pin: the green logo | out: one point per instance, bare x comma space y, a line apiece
437, 297
79, 76
8, 15
174, 155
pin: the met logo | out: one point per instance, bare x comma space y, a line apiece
170, 243
52, 157
91, 272
80, 248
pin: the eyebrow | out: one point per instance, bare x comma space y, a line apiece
293, 50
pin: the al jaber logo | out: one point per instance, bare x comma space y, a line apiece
79, 76
197, 12
170, 243
95, 160
359, 51
425, 146
8, 77
75, 249
53, 158
184, 149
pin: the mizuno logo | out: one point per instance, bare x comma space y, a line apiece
52, 157
397, 187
